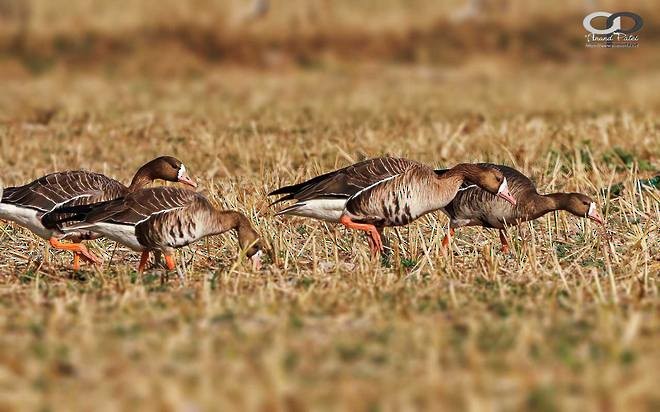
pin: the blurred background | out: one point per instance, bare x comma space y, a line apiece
170, 36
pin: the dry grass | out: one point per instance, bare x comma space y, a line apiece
567, 321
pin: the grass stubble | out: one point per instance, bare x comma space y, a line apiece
569, 320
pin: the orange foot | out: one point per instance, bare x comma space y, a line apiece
372, 246
144, 258
169, 260
376, 242
79, 251
445, 241
505, 243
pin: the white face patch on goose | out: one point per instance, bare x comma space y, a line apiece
257, 255
504, 186
592, 208
182, 171
256, 259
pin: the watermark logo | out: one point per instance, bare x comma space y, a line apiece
613, 35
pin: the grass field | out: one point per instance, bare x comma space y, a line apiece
568, 321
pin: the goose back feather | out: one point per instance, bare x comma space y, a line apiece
345, 182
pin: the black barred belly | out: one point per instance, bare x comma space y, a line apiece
167, 231
394, 210
397, 212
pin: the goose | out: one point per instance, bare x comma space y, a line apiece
29, 205
161, 219
475, 207
385, 191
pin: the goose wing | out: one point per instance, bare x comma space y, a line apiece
135, 208
347, 182
63, 189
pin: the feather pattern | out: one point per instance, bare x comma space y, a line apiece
346, 182
63, 188
138, 207
28, 204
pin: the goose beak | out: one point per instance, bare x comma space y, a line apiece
256, 260
503, 192
185, 179
593, 214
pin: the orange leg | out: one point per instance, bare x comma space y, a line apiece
377, 245
169, 260
77, 248
76, 261
384, 241
505, 243
144, 259
372, 246
445, 241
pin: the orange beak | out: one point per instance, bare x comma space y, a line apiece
185, 179
593, 214
504, 193
256, 260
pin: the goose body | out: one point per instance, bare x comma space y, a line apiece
160, 219
30, 205
358, 189
473, 206
382, 192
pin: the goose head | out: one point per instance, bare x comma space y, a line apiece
582, 205
249, 240
166, 168
492, 181
255, 253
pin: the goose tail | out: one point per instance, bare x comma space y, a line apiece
287, 210
66, 214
